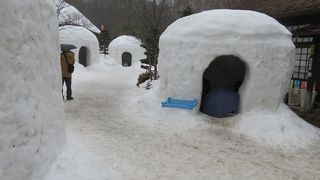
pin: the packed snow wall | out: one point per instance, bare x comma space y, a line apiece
81, 37
190, 44
123, 45
31, 107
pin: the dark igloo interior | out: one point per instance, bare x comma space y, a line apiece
221, 82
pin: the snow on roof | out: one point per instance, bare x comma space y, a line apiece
125, 40
71, 10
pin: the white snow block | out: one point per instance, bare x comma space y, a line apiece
129, 44
81, 38
31, 108
190, 44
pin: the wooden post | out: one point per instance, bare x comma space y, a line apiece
316, 64
315, 70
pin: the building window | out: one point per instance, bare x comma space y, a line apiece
304, 54
303, 62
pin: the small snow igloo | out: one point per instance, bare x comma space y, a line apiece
246, 52
126, 50
87, 44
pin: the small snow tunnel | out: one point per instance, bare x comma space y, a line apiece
221, 82
83, 56
126, 59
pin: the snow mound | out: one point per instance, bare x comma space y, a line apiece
123, 44
73, 164
190, 44
281, 128
31, 108
81, 37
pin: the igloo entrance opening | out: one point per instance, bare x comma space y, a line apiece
83, 56
221, 82
126, 59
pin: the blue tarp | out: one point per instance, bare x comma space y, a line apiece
220, 102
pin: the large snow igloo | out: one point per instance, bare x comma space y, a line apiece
31, 108
259, 47
126, 50
87, 52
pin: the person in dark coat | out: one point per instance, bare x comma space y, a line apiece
65, 59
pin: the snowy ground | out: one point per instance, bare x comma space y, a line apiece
132, 137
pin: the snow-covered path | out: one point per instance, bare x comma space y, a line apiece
132, 137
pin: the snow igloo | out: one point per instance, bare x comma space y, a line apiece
82, 35
87, 44
126, 50
31, 108
246, 51
253, 50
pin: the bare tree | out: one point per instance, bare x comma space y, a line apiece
153, 16
75, 19
68, 19
60, 5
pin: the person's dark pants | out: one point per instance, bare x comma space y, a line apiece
67, 80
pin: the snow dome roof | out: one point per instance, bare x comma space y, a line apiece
125, 40
224, 22
77, 33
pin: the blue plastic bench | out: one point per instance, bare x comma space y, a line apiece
183, 104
